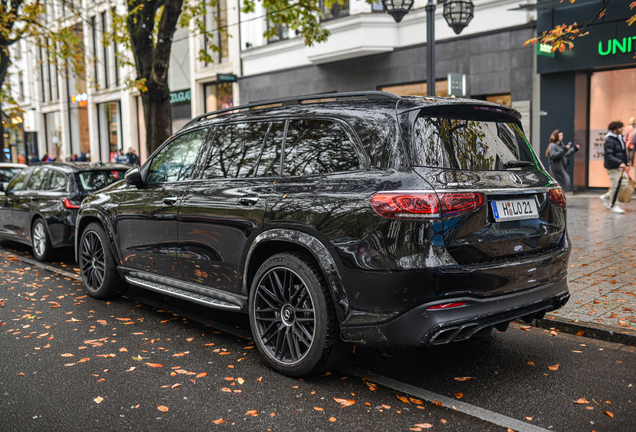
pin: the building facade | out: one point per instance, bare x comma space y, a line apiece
586, 88
97, 114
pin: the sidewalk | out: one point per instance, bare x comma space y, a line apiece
602, 273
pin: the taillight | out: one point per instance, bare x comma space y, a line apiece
401, 205
446, 306
69, 205
557, 196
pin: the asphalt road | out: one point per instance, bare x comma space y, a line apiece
147, 362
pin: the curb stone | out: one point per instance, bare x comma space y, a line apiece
590, 330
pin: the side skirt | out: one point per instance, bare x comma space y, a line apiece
203, 295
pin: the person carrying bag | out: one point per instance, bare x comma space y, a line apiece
615, 162
558, 154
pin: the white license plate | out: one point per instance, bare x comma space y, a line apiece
515, 209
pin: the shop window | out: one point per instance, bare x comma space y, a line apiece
609, 101
53, 126
110, 134
418, 89
218, 96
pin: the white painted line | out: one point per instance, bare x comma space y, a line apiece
471, 410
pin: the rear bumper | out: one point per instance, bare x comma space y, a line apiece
421, 326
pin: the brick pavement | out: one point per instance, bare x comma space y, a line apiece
602, 273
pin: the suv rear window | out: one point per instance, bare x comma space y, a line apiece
93, 180
467, 144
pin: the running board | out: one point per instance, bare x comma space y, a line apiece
183, 294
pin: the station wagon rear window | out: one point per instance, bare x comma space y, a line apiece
467, 144
94, 180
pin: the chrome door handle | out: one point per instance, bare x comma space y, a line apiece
248, 200
170, 200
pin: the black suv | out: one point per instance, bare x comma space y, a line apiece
351, 217
39, 205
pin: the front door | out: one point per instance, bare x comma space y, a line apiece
147, 219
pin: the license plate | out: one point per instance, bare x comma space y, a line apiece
515, 209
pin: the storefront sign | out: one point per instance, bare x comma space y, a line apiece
456, 84
226, 78
623, 45
545, 50
180, 96
609, 44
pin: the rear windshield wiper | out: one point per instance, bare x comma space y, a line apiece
517, 164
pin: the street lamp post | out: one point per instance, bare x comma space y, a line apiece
457, 13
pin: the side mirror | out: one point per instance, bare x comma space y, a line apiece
133, 177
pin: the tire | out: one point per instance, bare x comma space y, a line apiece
292, 316
40, 241
98, 266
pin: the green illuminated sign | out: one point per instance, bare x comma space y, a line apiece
180, 96
611, 46
544, 50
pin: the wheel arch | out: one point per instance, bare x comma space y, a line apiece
87, 218
275, 241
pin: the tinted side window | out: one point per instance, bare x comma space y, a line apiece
8, 173
175, 160
18, 181
235, 150
57, 180
38, 179
317, 147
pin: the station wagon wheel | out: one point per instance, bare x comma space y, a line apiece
97, 264
292, 317
40, 240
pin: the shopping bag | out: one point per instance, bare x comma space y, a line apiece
625, 194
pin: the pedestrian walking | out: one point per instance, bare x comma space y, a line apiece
615, 162
558, 154
121, 157
133, 159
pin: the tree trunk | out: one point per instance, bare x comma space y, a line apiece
156, 103
152, 62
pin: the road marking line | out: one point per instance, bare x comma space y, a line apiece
463, 407
44, 266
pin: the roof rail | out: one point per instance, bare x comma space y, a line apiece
297, 100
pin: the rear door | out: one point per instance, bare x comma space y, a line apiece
226, 206
483, 169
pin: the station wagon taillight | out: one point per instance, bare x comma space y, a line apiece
425, 205
69, 205
557, 196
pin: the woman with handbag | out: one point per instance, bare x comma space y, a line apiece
557, 154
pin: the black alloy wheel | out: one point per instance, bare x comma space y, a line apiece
98, 266
292, 317
40, 241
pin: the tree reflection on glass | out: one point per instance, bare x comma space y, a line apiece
467, 144
235, 150
318, 146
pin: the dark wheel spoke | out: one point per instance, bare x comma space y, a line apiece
262, 290
277, 286
302, 334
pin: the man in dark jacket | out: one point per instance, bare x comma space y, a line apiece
615, 162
